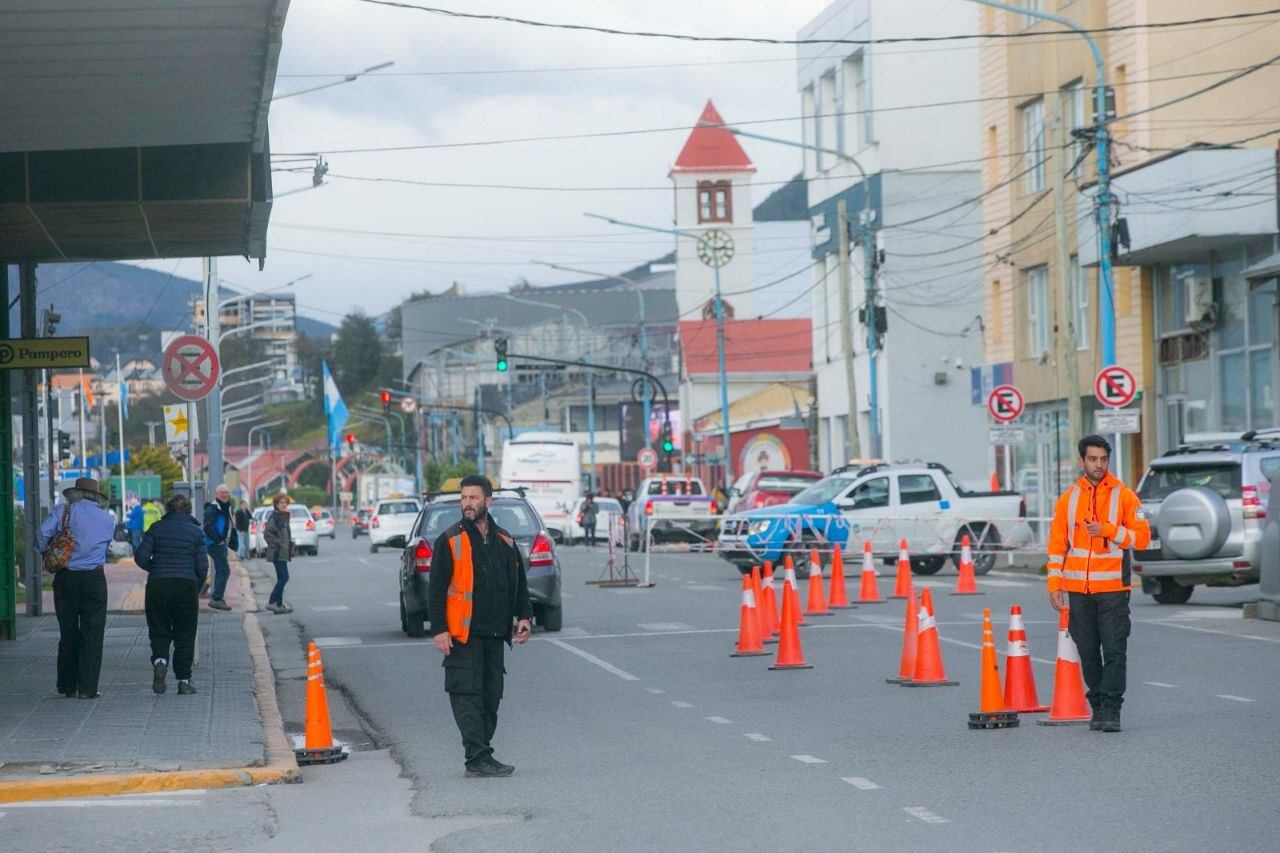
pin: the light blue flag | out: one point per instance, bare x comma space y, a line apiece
124, 398
334, 408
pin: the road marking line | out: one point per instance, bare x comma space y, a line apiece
809, 759
757, 737
1159, 684
921, 813
664, 627
390, 604
656, 691
970, 645
333, 608
587, 656
330, 642
720, 721
680, 704
1209, 630
1233, 698
860, 783
1003, 583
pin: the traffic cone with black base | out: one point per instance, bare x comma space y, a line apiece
1019, 681
749, 643
992, 713
929, 670
768, 606
869, 589
910, 640
1070, 707
817, 605
318, 746
791, 589
902, 584
839, 598
966, 584
790, 655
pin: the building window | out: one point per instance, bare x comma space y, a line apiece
1074, 99
1037, 311
715, 201
857, 104
1080, 301
809, 124
1032, 119
828, 120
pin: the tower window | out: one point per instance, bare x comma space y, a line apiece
715, 201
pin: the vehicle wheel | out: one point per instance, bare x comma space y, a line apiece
984, 544
373, 549
1172, 592
551, 618
413, 621
927, 565
333, 536
798, 550
315, 552
353, 533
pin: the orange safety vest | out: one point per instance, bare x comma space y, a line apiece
1078, 562
458, 599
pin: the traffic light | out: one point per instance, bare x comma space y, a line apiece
667, 444
351, 442
386, 401
500, 346
51, 321
64, 445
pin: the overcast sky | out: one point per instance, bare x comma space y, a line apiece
484, 238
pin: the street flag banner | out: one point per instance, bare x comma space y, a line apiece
177, 427
334, 408
124, 398
86, 392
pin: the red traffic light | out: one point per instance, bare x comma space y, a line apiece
386, 396
351, 438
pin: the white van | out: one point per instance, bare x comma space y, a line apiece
548, 466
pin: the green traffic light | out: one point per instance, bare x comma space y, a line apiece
502, 365
668, 446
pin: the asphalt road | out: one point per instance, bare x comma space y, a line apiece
633, 728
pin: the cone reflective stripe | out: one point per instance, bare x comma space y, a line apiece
869, 591
790, 655
929, 671
910, 640
768, 607
992, 713
318, 744
791, 589
763, 628
749, 643
839, 598
903, 582
1069, 703
966, 584
817, 605
1019, 680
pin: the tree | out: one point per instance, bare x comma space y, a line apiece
357, 353
153, 460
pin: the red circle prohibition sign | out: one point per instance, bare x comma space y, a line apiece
1115, 386
1005, 403
191, 367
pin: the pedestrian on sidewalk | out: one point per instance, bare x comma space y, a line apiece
219, 535
134, 525
243, 519
279, 542
587, 516
477, 589
80, 588
1095, 525
173, 555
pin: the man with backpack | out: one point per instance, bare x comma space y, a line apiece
219, 536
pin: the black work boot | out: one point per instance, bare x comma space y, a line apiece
1095, 722
487, 767
186, 688
1111, 717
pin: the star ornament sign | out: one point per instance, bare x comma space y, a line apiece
177, 427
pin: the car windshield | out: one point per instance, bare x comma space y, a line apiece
789, 483
823, 491
1162, 481
299, 512
607, 505
398, 508
515, 517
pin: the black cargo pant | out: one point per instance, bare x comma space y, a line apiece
473, 675
80, 600
173, 614
1100, 628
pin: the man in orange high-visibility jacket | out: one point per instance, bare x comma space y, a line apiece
1095, 524
477, 589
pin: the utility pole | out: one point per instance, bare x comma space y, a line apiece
846, 331
212, 333
83, 448
124, 490
30, 441
1068, 367
8, 581
50, 437
151, 431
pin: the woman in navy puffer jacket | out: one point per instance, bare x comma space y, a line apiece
173, 555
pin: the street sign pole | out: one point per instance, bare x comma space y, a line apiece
30, 443
8, 580
213, 332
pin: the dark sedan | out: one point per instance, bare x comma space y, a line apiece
513, 514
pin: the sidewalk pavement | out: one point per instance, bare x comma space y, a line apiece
131, 739
127, 586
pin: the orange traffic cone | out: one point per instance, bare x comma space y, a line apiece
318, 747
929, 670
817, 605
1019, 680
869, 591
791, 588
839, 595
768, 606
903, 582
995, 481
1069, 704
749, 643
966, 585
790, 655
910, 640
991, 711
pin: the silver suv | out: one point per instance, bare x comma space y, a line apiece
1207, 505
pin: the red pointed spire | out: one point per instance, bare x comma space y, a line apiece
712, 149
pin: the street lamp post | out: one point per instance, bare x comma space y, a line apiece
248, 482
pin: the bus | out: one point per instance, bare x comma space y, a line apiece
548, 465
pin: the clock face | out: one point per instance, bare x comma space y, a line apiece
715, 248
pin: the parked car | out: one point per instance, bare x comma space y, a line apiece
257, 522
882, 503
662, 508
514, 514
325, 525
1207, 506
607, 509
360, 521
302, 527
757, 489
391, 518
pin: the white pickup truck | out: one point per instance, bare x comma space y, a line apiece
671, 508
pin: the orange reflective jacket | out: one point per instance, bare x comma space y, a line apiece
458, 600
1079, 562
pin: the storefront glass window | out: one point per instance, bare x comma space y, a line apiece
1234, 300
1261, 393
1262, 302
1232, 391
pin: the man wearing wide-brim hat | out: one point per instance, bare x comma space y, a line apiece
80, 589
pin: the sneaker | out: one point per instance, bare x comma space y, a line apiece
159, 670
274, 608
489, 768
186, 688
503, 769
218, 604
284, 608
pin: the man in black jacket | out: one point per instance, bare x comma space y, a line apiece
478, 586
172, 554
220, 535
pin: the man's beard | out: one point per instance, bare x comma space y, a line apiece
477, 514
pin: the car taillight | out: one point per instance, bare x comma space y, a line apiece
253, 528
373, 522
759, 501
1251, 503
311, 525
648, 507
541, 554
715, 507
579, 518
422, 556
